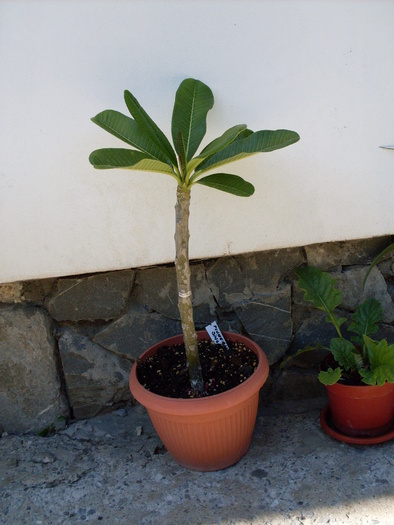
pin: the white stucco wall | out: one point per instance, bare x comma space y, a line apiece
323, 69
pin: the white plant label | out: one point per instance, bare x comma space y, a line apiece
216, 335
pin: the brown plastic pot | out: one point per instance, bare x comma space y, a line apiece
362, 410
209, 433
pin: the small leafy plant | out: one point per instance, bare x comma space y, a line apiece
371, 361
152, 151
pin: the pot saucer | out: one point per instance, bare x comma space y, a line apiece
327, 426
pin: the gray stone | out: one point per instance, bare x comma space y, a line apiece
350, 282
267, 319
313, 330
160, 292
263, 271
333, 255
227, 282
38, 290
97, 297
135, 332
30, 391
95, 378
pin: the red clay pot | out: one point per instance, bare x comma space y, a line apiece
209, 433
362, 410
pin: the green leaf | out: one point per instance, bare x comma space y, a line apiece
381, 362
345, 354
228, 183
181, 153
150, 128
193, 100
365, 319
260, 141
216, 145
320, 289
110, 158
127, 129
221, 142
330, 377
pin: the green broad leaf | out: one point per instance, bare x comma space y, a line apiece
345, 354
260, 141
301, 351
127, 129
330, 377
366, 319
381, 362
216, 145
320, 290
193, 100
150, 128
110, 158
221, 142
228, 183
181, 152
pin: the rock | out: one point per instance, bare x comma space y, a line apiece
98, 297
30, 394
135, 332
267, 319
95, 378
227, 281
313, 330
160, 292
333, 255
264, 271
38, 290
350, 282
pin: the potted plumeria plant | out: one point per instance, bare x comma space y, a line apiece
358, 371
204, 427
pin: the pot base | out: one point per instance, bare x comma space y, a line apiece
328, 426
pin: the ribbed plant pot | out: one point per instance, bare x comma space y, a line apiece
209, 433
362, 410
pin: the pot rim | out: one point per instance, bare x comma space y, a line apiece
361, 391
208, 404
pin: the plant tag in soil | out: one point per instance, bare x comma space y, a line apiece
216, 335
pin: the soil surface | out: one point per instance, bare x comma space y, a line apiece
166, 372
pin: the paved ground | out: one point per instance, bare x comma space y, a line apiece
113, 470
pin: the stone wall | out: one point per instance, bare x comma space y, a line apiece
67, 344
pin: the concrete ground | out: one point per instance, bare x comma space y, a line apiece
114, 470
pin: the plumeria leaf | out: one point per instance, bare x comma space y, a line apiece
228, 183
127, 129
216, 145
150, 128
193, 100
110, 158
260, 141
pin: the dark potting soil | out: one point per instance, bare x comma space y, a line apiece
166, 373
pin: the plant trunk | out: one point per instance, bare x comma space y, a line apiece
182, 267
